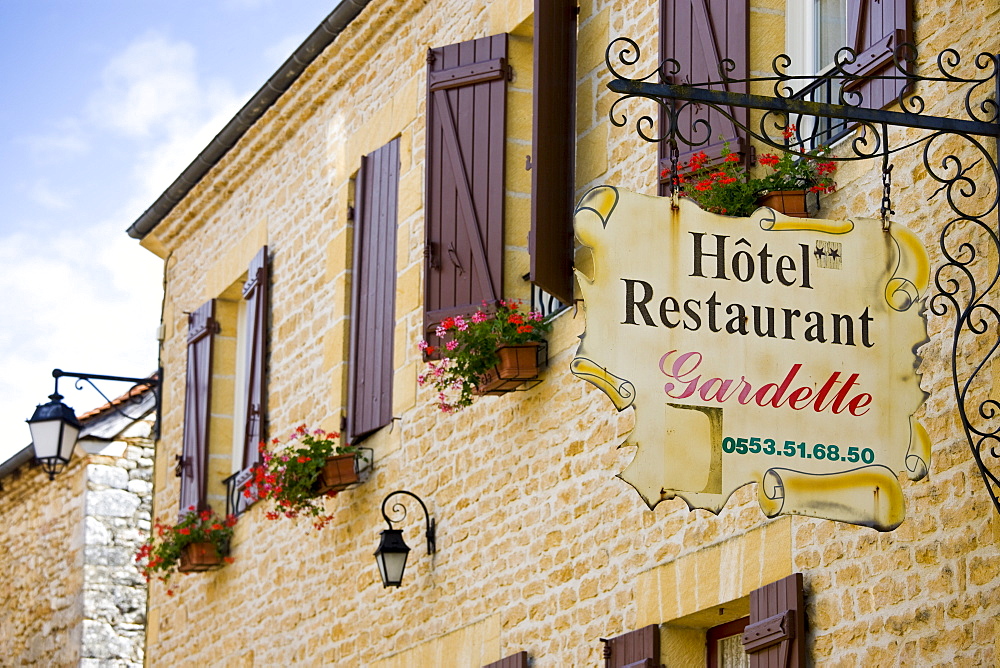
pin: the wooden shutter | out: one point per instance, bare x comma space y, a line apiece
373, 298
775, 636
194, 454
519, 660
256, 294
553, 143
875, 28
699, 34
466, 117
635, 649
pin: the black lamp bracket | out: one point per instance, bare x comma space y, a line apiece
399, 510
152, 382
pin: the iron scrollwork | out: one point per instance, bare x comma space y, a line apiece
805, 112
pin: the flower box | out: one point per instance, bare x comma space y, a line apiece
789, 202
196, 557
338, 473
519, 364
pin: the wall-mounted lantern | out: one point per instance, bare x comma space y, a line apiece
393, 550
54, 427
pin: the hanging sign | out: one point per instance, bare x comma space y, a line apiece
774, 350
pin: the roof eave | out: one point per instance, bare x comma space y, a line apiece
327, 31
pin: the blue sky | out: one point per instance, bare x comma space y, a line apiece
104, 103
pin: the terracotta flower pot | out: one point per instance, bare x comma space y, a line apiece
197, 557
518, 365
789, 202
338, 473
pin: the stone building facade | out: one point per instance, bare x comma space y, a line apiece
540, 548
72, 593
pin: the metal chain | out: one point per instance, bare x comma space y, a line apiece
886, 209
675, 177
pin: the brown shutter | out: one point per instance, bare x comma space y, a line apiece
875, 28
256, 293
373, 298
635, 649
553, 138
519, 660
698, 34
466, 117
775, 636
194, 454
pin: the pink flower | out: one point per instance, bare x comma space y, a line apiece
451, 345
479, 317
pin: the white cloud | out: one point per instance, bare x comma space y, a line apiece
81, 300
152, 84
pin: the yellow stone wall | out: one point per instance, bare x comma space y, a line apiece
540, 547
41, 566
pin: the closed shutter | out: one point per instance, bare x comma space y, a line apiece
775, 636
699, 34
553, 136
256, 294
519, 660
466, 117
373, 299
635, 649
197, 395
875, 28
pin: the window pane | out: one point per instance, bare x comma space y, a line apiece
831, 30
731, 654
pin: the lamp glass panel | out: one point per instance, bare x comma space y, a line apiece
46, 438
391, 566
69, 435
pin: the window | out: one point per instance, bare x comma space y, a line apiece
817, 29
466, 123
226, 428
725, 645
373, 293
699, 34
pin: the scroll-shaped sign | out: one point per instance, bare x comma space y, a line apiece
768, 349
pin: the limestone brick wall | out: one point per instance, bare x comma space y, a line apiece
540, 547
72, 595
41, 566
117, 521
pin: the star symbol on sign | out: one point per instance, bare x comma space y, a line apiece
834, 253
819, 252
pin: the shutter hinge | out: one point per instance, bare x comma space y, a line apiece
350, 213
430, 255
178, 466
510, 73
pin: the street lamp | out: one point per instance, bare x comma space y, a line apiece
54, 427
54, 430
392, 549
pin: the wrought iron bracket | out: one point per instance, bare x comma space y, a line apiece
152, 382
966, 282
431, 526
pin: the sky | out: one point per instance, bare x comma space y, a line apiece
102, 104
